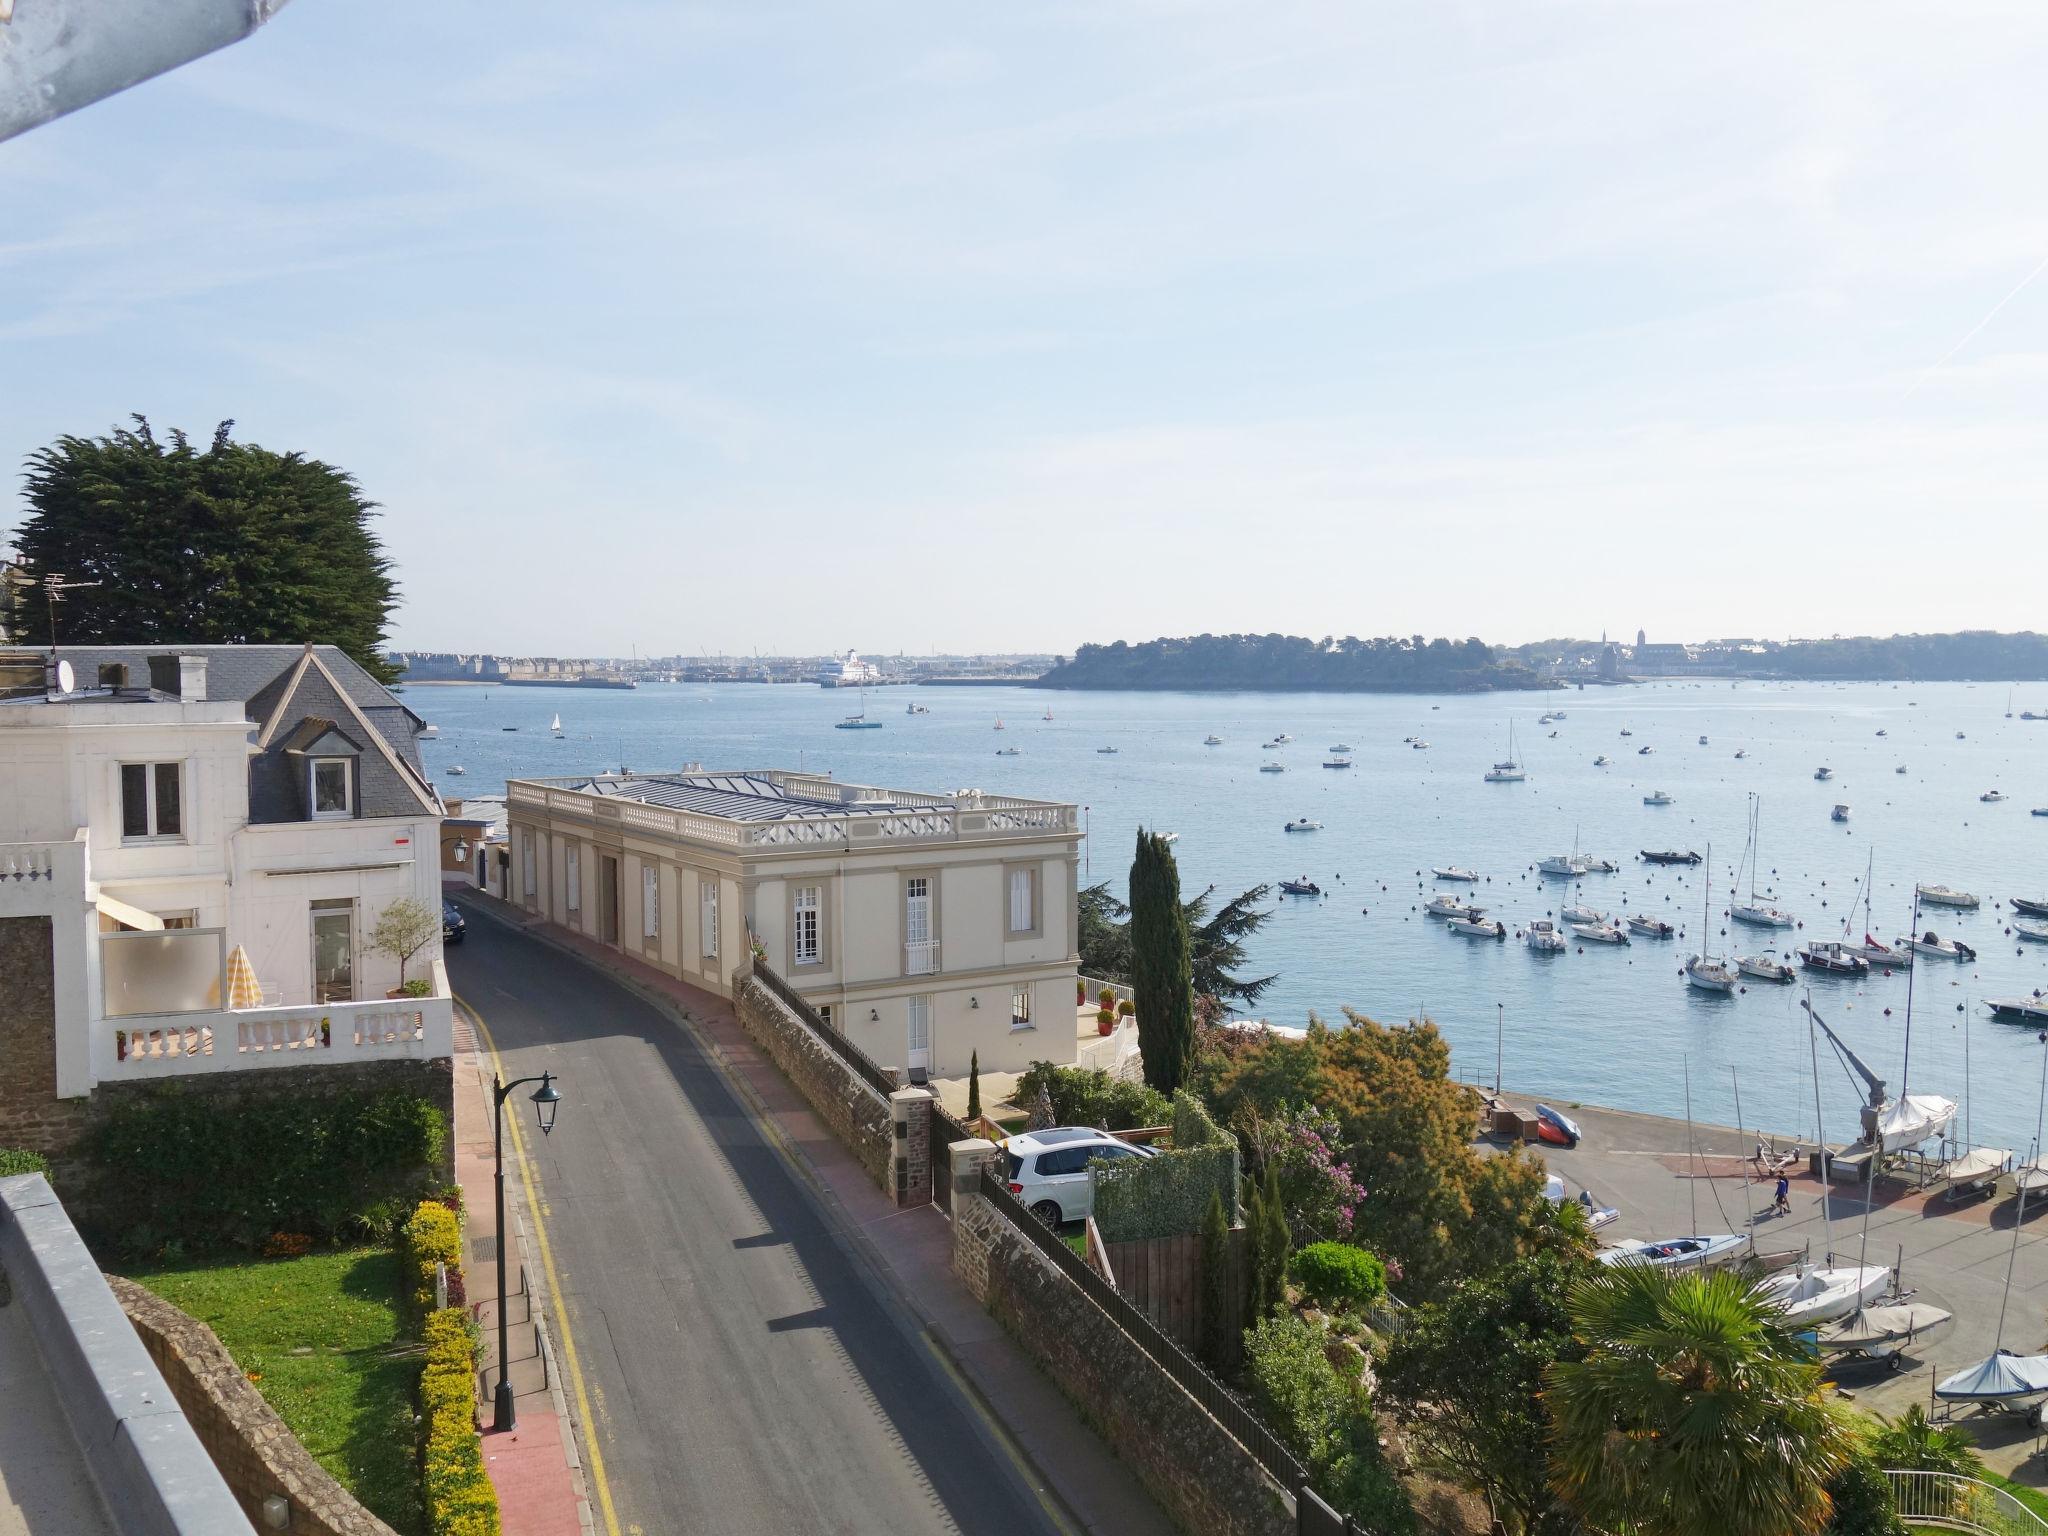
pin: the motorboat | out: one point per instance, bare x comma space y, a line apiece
1892, 957
1703, 741
1561, 864
1106, 751
1900, 769
1273, 745
1009, 751
1764, 966
1557, 1128
2019, 1010
1676, 1252
1272, 767
1283, 738
1932, 943
508, 727
1169, 837
1626, 731
1959, 735
1337, 762
1761, 915
1419, 744
458, 771
1582, 915
1880, 1333
1543, 937
2003, 1379
1212, 740
2033, 933
1644, 751
1340, 747
2039, 810
1839, 813
1823, 774
1741, 753
1603, 761
1476, 928
1669, 856
1451, 906
1650, 927
2029, 908
1302, 887
1454, 872
915, 709
1595, 866
1991, 797
1598, 933
1883, 732
1831, 957
1658, 797
1975, 1172
1303, 824
1820, 1294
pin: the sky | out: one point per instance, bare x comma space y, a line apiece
906, 327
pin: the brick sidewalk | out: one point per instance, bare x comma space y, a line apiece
911, 1250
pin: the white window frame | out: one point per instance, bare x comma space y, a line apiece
807, 925
650, 901
526, 865
707, 918
918, 1028
348, 789
1020, 1008
572, 877
1024, 889
150, 773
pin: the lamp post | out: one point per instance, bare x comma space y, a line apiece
1500, 1027
545, 1098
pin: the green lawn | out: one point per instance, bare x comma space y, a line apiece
348, 1397
2033, 1498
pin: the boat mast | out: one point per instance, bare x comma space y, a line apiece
1692, 1150
1912, 970
1748, 1198
1706, 927
2020, 1216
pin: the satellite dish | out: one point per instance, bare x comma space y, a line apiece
66, 679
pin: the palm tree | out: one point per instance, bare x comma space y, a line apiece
1695, 1412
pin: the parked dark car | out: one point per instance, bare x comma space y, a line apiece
452, 926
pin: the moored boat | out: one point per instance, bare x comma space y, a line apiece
1650, 927
1337, 762
2029, 907
2033, 933
1272, 767
1831, 957
1823, 774
1603, 761
1932, 943
1212, 740
1598, 933
1991, 796
1303, 824
1543, 937
1945, 896
1451, 906
1761, 915
1301, 887
1454, 872
1764, 966
1839, 813
1581, 915
1658, 797
1477, 928
2019, 1010
1669, 856
1676, 1252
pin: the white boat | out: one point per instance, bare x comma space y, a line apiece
1475, 928
999, 722
1598, 933
1595, 866
1581, 915
1703, 741
1212, 740
2005, 1379
1508, 771
1271, 746
1740, 753
1169, 837
1272, 767
1658, 797
555, 725
1283, 738
1603, 761
1544, 938
1832, 957
1650, 927
1626, 731
1009, 751
1419, 744
1644, 751
1451, 906
1561, 864
1900, 769
1991, 797
458, 771
2033, 933
1756, 913
1454, 872
1839, 813
1106, 751
2019, 1010
1823, 774
1820, 1294
915, 709
1676, 1252
1761, 915
1337, 762
1764, 966
1708, 973
1046, 716
1932, 943
1976, 1172
1303, 824
1891, 957
1879, 1333
1340, 747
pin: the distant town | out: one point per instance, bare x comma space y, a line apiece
845, 670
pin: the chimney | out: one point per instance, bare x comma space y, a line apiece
182, 676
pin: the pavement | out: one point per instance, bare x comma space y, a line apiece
766, 1343
44, 1484
1952, 1255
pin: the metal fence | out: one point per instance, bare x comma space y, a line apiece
1952, 1503
880, 1079
1222, 1404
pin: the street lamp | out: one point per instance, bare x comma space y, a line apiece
545, 1098
461, 850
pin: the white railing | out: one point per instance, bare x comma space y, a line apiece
921, 959
1954, 1503
298, 1034
1095, 986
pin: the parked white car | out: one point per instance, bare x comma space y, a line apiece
1049, 1169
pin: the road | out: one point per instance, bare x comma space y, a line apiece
747, 1372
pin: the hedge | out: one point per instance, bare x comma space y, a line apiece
1166, 1195
1192, 1126
276, 1159
432, 1237
14, 1160
460, 1498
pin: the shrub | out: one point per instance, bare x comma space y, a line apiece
459, 1496
1125, 1008
1192, 1126
1106, 997
1862, 1498
432, 1237
273, 1159
1083, 1097
1339, 1277
1218, 1338
1913, 1443
1166, 1195
1325, 1417
974, 1085
1104, 1016
419, 986
14, 1160
287, 1245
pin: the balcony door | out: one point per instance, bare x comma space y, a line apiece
920, 954
919, 1044
334, 951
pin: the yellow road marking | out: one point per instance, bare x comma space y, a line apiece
547, 1260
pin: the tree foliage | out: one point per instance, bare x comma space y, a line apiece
231, 544
403, 929
1466, 1375
1161, 978
1390, 664
1695, 1410
1325, 1418
1217, 941
1218, 1343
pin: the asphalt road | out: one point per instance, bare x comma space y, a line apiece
747, 1372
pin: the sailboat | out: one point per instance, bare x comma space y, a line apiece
1510, 771
555, 725
1710, 973
1048, 713
1758, 914
1873, 949
859, 722
999, 722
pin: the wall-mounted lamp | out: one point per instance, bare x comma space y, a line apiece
461, 850
973, 1002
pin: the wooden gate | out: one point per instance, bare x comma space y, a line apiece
1162, 1277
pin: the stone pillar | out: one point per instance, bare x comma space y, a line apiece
910, 1111
969, 1158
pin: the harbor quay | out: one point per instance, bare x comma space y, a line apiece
1668, 1179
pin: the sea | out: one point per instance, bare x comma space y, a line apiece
1613, 1026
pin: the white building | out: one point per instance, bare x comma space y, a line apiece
924, 927
164, 810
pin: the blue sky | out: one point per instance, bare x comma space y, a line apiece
970, 327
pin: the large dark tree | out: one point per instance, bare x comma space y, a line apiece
1161, 983
232, 544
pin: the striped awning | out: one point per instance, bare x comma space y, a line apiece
243, 992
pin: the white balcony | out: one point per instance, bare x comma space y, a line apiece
921, 959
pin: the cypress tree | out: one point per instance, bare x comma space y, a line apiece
974, 1085
1278, 1242
1255, 1261
1217, 1312
1161, 977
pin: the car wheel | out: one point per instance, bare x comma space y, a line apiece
1049, 1212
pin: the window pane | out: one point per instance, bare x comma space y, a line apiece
330, 788
170, 819
134, 800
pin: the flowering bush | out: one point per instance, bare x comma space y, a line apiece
1317, 1188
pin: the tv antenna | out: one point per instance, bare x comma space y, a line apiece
54, 589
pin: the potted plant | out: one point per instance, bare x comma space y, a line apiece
1126, 1008
1106, 997
1080, 992
1105, 1021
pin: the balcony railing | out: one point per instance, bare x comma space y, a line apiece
300, 1034
1951, 1502
921, 959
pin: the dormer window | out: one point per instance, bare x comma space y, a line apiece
332, 788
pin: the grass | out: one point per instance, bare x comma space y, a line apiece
2033, 1498
348, 1397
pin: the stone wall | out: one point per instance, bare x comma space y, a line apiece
1199, 1474
248, 1442
854, 1112
31, 1114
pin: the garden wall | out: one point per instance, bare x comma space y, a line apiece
247, 1441
854, 1112
1187, 1461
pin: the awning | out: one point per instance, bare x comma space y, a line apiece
133, 917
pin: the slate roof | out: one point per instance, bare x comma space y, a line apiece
734, 796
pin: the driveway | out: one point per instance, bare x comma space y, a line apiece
748, 1374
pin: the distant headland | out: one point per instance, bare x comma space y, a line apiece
1286, 663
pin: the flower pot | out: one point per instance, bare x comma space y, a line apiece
1105, 1027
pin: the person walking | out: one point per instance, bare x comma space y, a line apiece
1783, 1204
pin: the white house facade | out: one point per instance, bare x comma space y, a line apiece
926, 928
